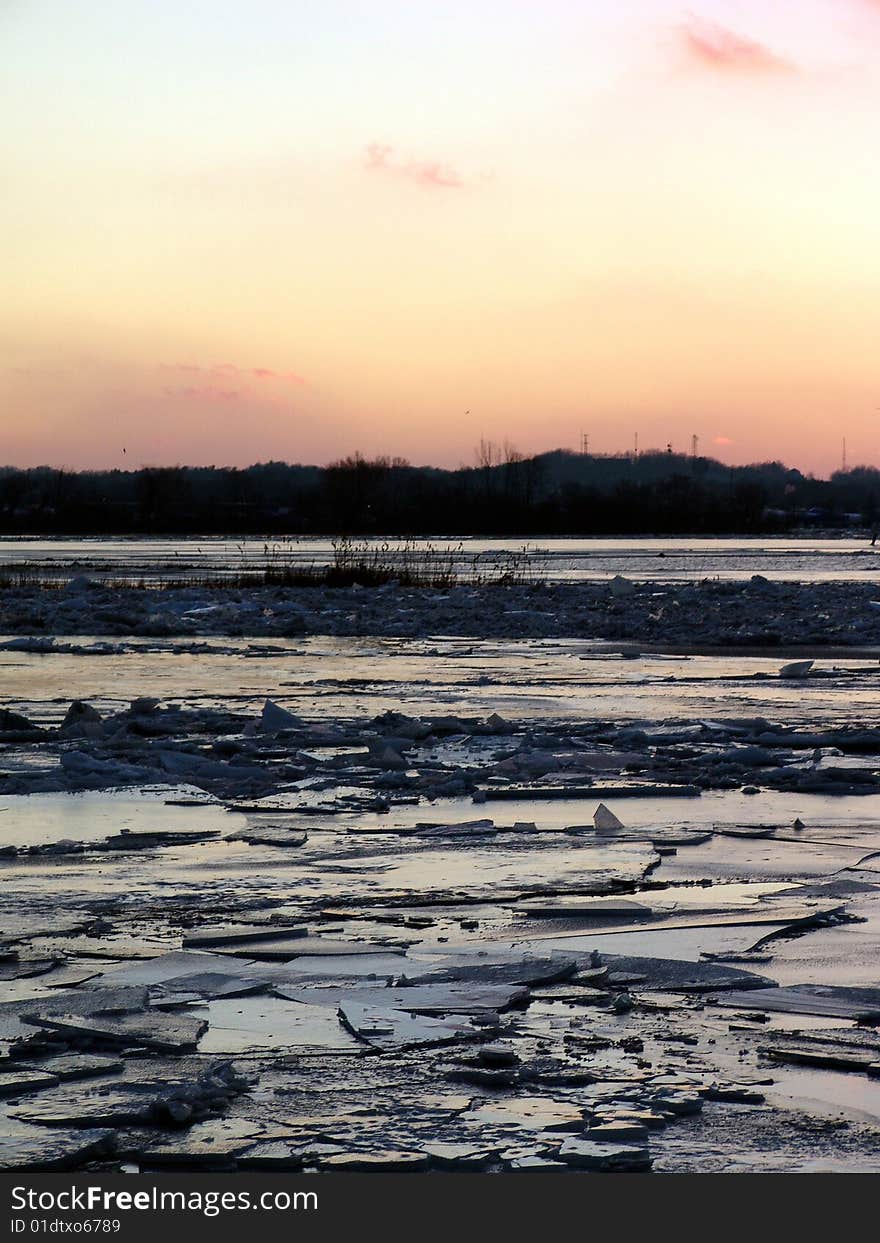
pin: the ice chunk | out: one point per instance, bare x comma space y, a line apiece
605, 820
274, 718
797, 669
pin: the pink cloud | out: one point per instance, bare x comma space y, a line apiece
378, 156
36, 373
715, 47
721, 440
265, 373
430, 175
207, 393
227, 370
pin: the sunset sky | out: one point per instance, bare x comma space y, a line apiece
237, 231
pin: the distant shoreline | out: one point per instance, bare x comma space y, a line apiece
507, 495
231, 537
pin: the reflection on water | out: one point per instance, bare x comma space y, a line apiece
855, 1093
660, 560
40, 819
320, 677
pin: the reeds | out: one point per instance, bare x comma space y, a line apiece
419, 564
354, 563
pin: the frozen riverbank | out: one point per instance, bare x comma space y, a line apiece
757, 613
297, 882
807, 556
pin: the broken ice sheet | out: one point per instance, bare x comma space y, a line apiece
21, 1081
383, 1161
774, 918
208, 984
168, 968
530, 1113
279, 1015
18, 925
687, 944
687, 899
163, 1033
861, 1004
40, 819
283, 943
269, 835
205, 1144
495, 965
248, 1025
425, 999
382, 1027
31, 1148
67, 1067
503, 868
110, 1002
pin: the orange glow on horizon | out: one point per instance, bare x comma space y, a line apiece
614, 218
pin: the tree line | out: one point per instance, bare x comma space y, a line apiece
503, 493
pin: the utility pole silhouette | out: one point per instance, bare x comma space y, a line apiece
585, 443
695, 440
